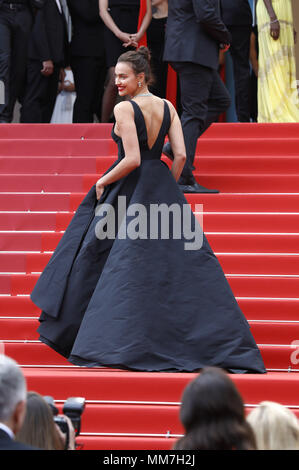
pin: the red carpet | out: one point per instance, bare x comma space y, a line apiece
252, 225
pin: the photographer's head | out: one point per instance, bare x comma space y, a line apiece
39, 429
213, 415
12, 394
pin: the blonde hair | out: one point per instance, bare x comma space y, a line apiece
275, 427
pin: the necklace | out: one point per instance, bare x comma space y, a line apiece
143, 94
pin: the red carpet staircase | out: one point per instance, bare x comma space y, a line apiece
252, 225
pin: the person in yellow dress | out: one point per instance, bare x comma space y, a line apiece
277, 85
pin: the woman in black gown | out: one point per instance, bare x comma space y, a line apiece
144, 303
120, 34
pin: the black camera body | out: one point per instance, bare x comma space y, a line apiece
73, 409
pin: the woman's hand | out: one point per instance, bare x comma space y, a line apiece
126, 39
48, 68
99, 188
135, 38
275, 30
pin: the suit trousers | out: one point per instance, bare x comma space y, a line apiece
89, 76
15, 27
203, 98
40, 95
239, 50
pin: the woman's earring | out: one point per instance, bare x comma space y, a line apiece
139, 84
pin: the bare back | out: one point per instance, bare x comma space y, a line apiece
152, 109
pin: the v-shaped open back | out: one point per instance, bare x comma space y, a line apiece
141, 125
147, 152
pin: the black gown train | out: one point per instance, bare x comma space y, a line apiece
144, 304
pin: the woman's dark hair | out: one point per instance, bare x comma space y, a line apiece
39, 429
213, 415
140, 61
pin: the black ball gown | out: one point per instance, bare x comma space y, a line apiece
143, 304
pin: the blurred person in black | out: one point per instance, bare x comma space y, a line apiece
194, 35
254, 52
237, 17
48, 54
155, 41
16, 18
87, 58
121, 18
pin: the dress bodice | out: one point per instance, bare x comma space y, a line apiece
146, 153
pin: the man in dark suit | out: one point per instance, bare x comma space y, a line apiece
194, 35
48, 54
12, 404
16, 17
87, 58
237, 16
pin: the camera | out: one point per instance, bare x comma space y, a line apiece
73, 408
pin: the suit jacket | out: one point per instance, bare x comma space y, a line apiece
88, 28
48, 39
33, 3
194, 31
6, 443
236, 12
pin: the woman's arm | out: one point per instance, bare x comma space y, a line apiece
176, 138
126, 128
274, 22
108, 20
145, 22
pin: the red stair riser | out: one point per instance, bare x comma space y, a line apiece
227, 183
245, 202
203, 164
211, 222
100, 384
248, 147
253, 309
58, 147
210, 202
55, 131
125, 443
274, 356
263, 332
220, 242
242, 286
231, 263
97, 131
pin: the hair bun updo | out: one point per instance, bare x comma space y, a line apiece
140, 61
144, 52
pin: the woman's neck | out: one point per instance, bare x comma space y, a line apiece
161, 11
144, 91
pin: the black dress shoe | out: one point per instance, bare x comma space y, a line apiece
167, 150
196, 189
201, 189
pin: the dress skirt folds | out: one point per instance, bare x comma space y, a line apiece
142, 302
277, 86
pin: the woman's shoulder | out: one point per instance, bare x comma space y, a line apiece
171, 107
123, 109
